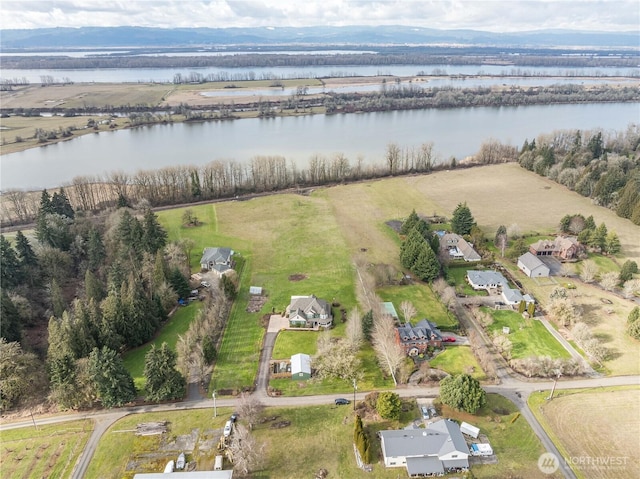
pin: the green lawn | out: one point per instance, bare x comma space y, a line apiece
289, 343
458, 360
459, 274
49, 450
425, 301
605, 264
529, 337
177, 324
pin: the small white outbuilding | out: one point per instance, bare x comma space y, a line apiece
300, 367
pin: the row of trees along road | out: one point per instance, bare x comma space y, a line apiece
99, 286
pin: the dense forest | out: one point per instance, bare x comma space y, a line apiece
601, 166
88, 290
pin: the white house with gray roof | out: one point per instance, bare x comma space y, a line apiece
486, 280
218, 260
437, 449
533, 266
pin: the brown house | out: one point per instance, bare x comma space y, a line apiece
562, 247
416, 339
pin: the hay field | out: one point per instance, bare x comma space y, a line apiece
596, 426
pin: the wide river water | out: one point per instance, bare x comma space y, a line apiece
454, 132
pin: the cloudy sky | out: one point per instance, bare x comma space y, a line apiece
490, 15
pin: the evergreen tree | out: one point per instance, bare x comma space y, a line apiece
462, 220
155, 237
426, 266
113, 383
164, 382
10, 327
410, 248
140, 312
196, 190
112, 324
389, 405
598, 238
589, 223
629, 268
179, 283
462, 392
613, 245
410, 222
122, 202
93, 288
45, 203
28, 259
10, 270
531, 309
633, 323
58, 303
629, 197
565, 223
96, 252
60, 205
522, 307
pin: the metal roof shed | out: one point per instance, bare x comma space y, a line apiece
300, 367
469, 430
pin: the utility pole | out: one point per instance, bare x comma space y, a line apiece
554, 386
215, 410
355, 387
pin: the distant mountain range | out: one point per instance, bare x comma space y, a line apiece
140, 37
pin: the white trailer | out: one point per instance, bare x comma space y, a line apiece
469, 430
481, 450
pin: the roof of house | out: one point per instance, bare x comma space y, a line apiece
216, 255
424, 329
300, 363
487, 277
437, 439
424, 465
449, 240
512, 295
305, 305
531, 261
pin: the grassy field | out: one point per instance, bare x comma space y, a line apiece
458, 360
177, 324
529, 338
609, 431
49, 451
425, 301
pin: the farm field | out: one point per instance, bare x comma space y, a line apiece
49, 451
607, 435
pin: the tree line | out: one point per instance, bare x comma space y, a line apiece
99, 286
603, 166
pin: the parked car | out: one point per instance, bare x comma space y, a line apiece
425, 412
342, 401
234, 417
449, 339
181, 462
227, 429
206, 284
433, 412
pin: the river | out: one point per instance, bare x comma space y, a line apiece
454, 132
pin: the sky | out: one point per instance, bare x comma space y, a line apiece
488, 15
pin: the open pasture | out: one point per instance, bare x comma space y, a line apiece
596, 429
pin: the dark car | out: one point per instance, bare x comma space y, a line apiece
342, 401
234, 417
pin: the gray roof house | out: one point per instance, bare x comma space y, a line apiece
217, 260
416, 339
532, 266
309, 312
437, 449
458, 247
487, 280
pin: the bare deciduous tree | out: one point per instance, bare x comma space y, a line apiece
609, 280
354, 334
250, 408
504, 345
563, 311
631, 288
408, 310
244, 451
336, 359
588, 271
389, 353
